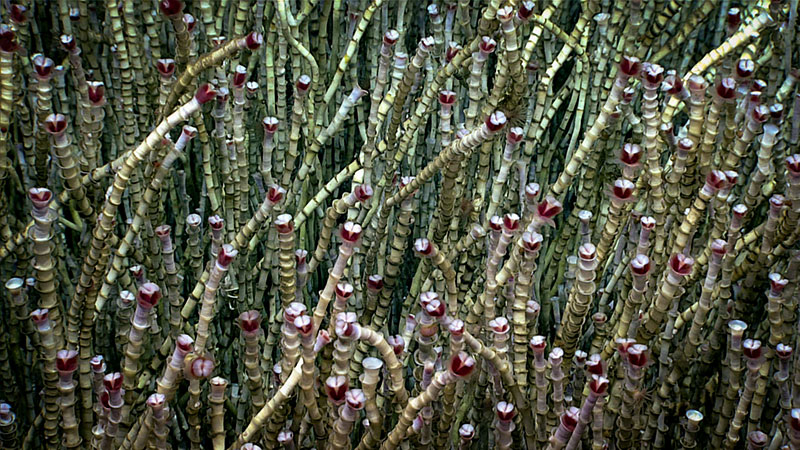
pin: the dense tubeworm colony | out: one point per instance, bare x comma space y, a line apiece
239, 224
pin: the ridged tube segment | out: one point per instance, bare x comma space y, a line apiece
746, 397
752, 127
305, 326
621, 193
43, 259
286, 259
216, 413
487, 297
522, 294
423, 49
7, 93
393, 365
788, 227
161, 414
636, 359
147, 298
764, 168
257, 423
250, 323
332, 214
414, 406
669, 291
579, 302
695, 338
731, 391
226, 255
61, 146
474, 92
368, 151
173, 282
652, 77
348, 414
640, 267
44, 327
598, 386
394, 260
696, 109
298, 116
369, 382
683, 234
43, 107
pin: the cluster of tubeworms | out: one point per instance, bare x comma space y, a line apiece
381, 224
